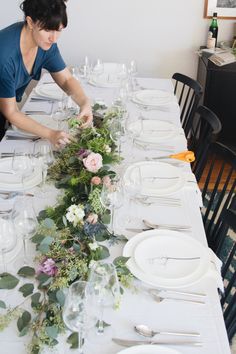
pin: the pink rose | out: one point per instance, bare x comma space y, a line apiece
96, 180
106, 181
93, 162
92, 218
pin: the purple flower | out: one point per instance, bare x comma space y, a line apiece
48, 267
82, 154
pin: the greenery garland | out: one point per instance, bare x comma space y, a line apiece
69, 236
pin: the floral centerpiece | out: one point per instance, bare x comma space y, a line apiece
69, 237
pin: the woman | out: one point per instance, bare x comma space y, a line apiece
26, 48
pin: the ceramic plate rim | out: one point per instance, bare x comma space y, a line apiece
153, 192
136, 271
151, 349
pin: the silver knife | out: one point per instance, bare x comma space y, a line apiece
130, 342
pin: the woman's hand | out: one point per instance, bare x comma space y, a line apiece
85, 116
59, 138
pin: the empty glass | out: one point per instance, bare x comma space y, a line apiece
78, 313
43, 150
112, 197
23, 166
133, 127
106, 289
25, 221
7, 236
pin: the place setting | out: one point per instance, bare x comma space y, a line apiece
154, 99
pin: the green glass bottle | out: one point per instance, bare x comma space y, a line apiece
213, 32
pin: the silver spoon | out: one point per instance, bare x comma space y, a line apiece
158, 299
145, 331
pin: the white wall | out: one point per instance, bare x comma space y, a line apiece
161, 35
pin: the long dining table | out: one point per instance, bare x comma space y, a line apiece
137, 305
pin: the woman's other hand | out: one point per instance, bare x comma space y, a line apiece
59, 138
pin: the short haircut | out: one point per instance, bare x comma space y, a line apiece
50, 14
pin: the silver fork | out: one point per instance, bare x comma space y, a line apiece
164, 259
166, 226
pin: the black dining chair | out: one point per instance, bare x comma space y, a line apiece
188, 92
219, 188
227, 252
205, 129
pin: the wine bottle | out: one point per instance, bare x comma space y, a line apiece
213, 32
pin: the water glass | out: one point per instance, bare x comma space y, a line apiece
7, 236
111, 198
106, 289
77, 312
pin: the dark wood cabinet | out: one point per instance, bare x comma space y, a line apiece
219, 94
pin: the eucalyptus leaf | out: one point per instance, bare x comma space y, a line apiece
60, 297
105, 324
23, 320
37, 238
103, 252
64, 219
8, 281
2, 304
73, 340
121, 260
26, 272
43, 248
27, 289
35, 300
24, 331
52, 331
47, 241
106, 218
49, 223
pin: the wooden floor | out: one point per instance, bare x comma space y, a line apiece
215, 174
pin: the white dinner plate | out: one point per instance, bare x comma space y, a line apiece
151, 244
52, 91
153, 131
45, 120
154, 178
148, 349
13, 181
153, 97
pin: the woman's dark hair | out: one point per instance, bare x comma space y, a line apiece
50, 14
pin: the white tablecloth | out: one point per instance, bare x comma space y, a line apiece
139, 307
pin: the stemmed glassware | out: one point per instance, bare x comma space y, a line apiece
134, 127
116, 132
7, 236
112, 197
22, 164
43, 150
133, 71
78, 314
25, 221
106, 289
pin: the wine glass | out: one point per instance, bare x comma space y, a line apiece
25, 221
116, 132
22, 165
134, 127
133, 71
106, 289
43, 150
112, 197
78, 314
7, 236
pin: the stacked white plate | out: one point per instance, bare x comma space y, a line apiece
111, 77
51, 91
11, 181
154, 178
153, 98
148, 349
153, 131
166, 258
